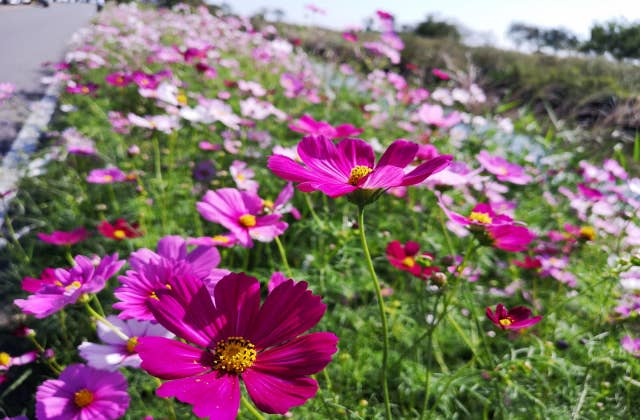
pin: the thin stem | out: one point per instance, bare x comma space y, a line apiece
170, 408
311, 210
106, 322
283, 255
250, 408
112, 197
159, 180
383, 316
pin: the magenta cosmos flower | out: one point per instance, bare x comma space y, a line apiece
106, 176
151, 272
64, 238
341, 169
503, 169
234, 338
87, 276
514, 319
241, 213
82, 392
405, 257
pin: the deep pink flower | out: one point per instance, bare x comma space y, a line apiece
503, 169
118, 79
59, 237
240, 212
225, 241
516, 318
234, 338
350, 36
307, 125
119, 230
481, 215
341, 169
151, 272
87, 276
145, 81
47, 277
82, 392
80, 89
512, 238
440, 74
405, 257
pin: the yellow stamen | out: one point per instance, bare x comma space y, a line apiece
408, 262
505, 322
85, 89
74, 285
588, 233
234, 355
483, 218
268, 204
107, 178
5, 359
119, 234
153, 295
220, 238
131, 344
357, 173
182, 98
83, 398
247, 220
502, 170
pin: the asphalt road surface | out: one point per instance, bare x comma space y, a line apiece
29, 36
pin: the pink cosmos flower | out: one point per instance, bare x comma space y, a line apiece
6, 360
230, 337
118, 352
80, 89
341, 169
225, 241
59, 237
243, 176
293, 86
76, 143
145, 81
151, 272
440, 74
239, 211
32, 285
82, 392
7, 90
119, 230
307, 125
87, 276
106, 176
516, 318
632, 345
282, 205
434, 115
512, 238
118, 79
503, 169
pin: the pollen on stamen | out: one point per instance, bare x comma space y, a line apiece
234, 355
408, 262
247, 220
119, 234
357, 173
505, 322
83, 398
483, 218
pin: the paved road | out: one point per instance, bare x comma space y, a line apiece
29, 36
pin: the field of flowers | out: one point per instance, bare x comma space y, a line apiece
222, 225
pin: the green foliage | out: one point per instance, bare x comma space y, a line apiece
434, 28
619, 38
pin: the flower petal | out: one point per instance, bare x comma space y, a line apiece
288, 311
211, 396
426, 169
171, 359
276, 395
400, 153
237, 297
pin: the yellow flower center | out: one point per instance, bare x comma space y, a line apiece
483, 218
502, 170
85, 89
588, 233
247, 220
119, 79
152, 295
234, 355
408, 262
73, 285
83, 398
107, 178
267, 204
357, 173
505, 322
132, 343
220, 238
182, 98
119, 234
240, 177
5, 359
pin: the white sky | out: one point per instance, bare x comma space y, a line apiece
483, 16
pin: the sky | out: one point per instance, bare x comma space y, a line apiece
490, 18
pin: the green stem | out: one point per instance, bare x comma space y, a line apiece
112, 197
383, 316
159, 180
250, 408
105, 321
311, 210
283, 255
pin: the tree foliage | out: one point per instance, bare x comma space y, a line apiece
620, 39
431, 27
